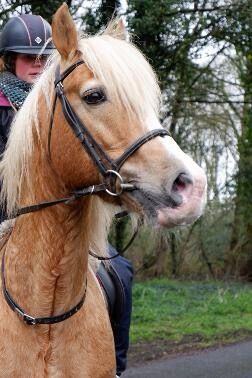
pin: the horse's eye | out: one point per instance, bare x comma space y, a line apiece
94, 96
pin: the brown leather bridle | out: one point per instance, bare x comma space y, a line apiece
108, 168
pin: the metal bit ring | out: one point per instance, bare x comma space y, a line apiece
115, 194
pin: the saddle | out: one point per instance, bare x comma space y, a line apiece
113, 289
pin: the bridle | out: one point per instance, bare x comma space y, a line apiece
108, 168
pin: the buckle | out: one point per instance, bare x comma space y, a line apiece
60, 88
29, 320
117, 176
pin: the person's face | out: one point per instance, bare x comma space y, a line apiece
28, 67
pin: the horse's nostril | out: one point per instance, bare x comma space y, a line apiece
181, 183
181, 189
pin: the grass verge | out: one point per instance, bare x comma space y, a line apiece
176, 311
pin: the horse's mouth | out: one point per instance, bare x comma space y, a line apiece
149, 203
180, 204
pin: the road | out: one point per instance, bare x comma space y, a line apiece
233, 361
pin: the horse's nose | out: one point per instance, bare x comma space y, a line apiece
181, 189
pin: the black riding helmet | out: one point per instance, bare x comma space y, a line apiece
26, 34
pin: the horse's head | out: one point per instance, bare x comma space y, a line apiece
108, 97
115, 95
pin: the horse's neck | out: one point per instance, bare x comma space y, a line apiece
46, 256
46, 260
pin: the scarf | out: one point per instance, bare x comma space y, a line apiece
14, 89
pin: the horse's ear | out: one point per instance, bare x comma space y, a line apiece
64, 33
117, 29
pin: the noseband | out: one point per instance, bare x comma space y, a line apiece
108, 168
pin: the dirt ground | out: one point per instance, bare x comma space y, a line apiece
142, 352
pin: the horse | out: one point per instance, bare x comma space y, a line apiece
86, 144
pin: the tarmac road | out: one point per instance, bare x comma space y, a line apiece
233, 361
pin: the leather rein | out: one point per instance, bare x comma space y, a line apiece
108, 168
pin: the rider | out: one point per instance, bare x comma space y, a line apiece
21, 42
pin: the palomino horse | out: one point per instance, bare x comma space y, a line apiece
100, 146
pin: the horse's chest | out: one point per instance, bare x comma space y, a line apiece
61, 358
76, 355
69, 349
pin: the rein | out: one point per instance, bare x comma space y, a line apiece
30, 320
108, 168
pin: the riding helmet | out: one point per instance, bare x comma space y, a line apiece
26, 34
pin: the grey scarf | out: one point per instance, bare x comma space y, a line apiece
14, 89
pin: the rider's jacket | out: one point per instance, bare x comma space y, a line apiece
6, 117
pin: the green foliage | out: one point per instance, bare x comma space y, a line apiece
99, 15
47, 9
44, 9
173, 35
174, 310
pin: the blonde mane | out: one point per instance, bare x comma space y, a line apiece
122, 70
